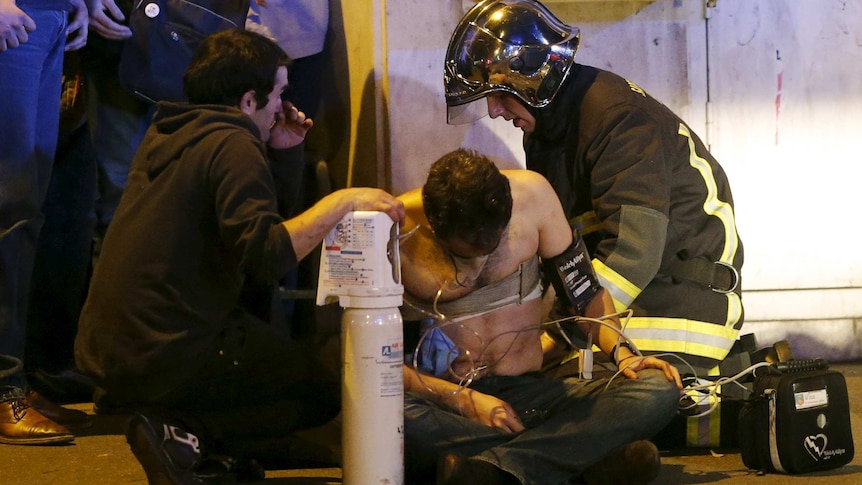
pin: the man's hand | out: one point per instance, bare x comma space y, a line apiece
629, 366
487, 410
290, 127
76, 32
106, 18
371, 199
15, 25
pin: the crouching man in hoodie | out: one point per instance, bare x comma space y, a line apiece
164, 331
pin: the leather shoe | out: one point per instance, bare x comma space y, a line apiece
70, 418
454, 469
636, 463
21, 424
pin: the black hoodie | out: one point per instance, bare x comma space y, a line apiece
198, 216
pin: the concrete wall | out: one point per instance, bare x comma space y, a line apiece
774, 87
785, 92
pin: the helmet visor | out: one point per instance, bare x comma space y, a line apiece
462, 114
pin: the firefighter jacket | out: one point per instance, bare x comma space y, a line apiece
654, 207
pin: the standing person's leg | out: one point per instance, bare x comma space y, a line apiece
117, 121
30, 79
63, 259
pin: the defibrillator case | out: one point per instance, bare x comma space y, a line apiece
797, 422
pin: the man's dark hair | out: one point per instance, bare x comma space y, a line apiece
466, 197
230, 63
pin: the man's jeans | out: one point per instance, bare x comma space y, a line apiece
571, 424
30, 76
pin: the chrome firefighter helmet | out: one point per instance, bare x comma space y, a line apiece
513, 46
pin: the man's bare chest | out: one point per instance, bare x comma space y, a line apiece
429, 273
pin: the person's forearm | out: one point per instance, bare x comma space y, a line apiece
308, 229
603, 337
440, 390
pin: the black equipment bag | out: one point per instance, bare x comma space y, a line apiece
797, 422
165, 34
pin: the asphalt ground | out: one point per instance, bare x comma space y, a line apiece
100, 455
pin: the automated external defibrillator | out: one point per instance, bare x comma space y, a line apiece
797, 419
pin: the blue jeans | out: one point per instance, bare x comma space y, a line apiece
571, 424
30, 77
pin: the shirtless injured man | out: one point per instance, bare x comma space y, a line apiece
476, 243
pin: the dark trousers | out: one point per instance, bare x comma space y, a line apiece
63, 255
255, 384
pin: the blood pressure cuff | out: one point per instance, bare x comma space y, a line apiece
572, 275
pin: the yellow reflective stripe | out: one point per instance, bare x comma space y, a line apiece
712, 205
704, 431
711, 423
679, 335
622, 290
734, 309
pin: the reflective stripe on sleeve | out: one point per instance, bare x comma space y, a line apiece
622, 290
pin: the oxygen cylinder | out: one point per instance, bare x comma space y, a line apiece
372, 394
359, 266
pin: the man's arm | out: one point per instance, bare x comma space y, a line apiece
606, 339
555, 236
478, 407
308, 229
543, 206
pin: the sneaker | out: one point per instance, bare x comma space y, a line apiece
636, 463
170, 454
